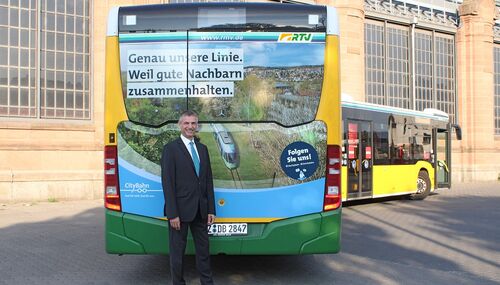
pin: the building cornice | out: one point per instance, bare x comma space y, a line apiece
423, 15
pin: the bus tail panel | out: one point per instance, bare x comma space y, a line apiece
309, 234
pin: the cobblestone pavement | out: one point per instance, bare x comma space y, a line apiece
452, 237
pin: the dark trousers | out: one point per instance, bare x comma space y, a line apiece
178, 240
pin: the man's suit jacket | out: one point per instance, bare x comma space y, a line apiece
183, 190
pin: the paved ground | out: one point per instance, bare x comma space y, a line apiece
450, 238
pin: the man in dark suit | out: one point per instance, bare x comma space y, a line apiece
189, 198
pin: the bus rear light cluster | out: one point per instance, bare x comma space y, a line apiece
332, 162
333, 198
111, 186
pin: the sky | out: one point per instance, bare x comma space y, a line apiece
256, 53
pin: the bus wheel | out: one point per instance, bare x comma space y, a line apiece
423, 186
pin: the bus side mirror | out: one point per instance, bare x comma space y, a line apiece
458, 130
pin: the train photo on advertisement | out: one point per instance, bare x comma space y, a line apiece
264, 79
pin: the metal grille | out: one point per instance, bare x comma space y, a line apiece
423, 70
17, 59
374, 62
433, 61
497, 87
64, 58
398, 94
445, 74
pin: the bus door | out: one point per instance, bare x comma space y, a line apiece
443, 158
359, 150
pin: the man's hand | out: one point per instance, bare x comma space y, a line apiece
175, 223
211, 219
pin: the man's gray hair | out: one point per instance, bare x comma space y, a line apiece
188, 113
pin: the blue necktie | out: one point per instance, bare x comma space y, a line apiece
196, 159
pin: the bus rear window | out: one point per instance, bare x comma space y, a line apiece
214, 16
261, 17
237, 77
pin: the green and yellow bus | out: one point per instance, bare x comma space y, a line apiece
264, 79
389, 151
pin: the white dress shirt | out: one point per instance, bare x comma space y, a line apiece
186, 142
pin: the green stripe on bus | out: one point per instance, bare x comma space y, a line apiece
314, 233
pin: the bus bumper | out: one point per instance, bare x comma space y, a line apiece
314, 233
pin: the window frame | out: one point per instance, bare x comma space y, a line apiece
413, 84
38, 69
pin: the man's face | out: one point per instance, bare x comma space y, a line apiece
188, 126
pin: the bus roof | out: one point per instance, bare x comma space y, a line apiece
223, 16
427, 113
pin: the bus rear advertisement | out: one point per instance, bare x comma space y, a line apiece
264, 80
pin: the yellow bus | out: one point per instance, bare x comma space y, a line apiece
389, 151
264, 79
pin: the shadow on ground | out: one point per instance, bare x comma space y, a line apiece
71, 250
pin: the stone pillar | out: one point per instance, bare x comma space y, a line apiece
352, 45
478, 159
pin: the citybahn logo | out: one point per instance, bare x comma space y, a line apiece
295, 37
137, 187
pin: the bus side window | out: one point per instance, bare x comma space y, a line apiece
380, 143
418, 152
427, 145
417, 143
401, 141
402, 152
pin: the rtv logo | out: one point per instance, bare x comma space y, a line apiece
295, 37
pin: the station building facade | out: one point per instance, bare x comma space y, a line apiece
410, 54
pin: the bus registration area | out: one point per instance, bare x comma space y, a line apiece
227, 229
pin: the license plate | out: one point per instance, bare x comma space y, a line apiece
238, 229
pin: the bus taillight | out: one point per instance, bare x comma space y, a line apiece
332, 186
111, 186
